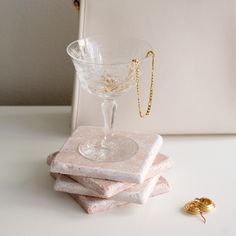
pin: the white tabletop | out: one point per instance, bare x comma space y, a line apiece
204, 166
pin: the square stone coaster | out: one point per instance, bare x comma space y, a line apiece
94, 205
136, 194
134, 170
109, 188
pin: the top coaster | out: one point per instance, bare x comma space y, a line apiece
134, 170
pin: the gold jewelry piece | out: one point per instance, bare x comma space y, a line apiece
205, 204
199, 206
193, 208
137, 75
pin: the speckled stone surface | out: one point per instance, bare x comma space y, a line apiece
162, 186
93, 205
134, 170
138, 193
108, 188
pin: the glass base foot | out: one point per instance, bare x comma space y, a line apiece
115, 148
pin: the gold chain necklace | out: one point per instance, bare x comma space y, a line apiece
137, 75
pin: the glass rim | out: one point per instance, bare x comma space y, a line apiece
108, 64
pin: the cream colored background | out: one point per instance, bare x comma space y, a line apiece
195, 91
34, 67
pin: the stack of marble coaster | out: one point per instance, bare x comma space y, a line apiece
100, 186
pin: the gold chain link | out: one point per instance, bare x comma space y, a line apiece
137, 75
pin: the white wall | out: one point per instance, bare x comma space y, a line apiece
34, 67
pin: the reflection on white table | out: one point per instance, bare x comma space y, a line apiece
204, 166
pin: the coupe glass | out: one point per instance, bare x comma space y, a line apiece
104, 67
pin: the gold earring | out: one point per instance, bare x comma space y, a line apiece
193, 208
199, 206
205, 204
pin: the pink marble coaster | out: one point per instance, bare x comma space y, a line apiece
162, 186
108, 188
134, 170
94, 205
136, 194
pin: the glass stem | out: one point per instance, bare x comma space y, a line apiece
109, 107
